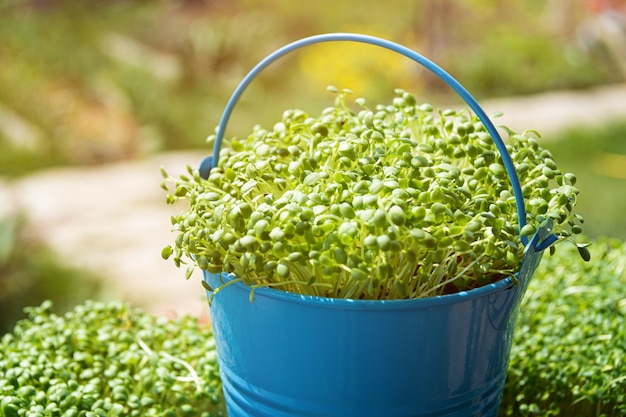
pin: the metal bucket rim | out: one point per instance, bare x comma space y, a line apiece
355, 304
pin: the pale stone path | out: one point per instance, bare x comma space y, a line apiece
113, 219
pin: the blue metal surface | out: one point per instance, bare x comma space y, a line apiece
287, 355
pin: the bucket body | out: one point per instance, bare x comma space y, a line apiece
290, 355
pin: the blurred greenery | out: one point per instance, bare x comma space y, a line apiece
598, 157
85, 82
567, 357
30, 274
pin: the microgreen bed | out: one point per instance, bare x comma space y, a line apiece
112, 359
568, 355
108, 360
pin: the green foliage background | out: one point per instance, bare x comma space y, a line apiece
96, 81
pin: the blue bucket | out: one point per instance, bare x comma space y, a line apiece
289, 355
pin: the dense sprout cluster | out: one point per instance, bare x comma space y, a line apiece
567, 358
572, 367
108, 360
398, 201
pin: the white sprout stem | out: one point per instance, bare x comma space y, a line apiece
193, 374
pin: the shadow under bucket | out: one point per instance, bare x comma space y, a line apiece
286, 355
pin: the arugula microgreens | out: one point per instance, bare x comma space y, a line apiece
392, 202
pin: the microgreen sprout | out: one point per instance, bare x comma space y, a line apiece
108, 360
387, 202
568, 354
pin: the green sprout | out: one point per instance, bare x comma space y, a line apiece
108, 359
391, 202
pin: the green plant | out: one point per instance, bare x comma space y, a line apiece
31, 273
566, 357
598, 154
516, 49
108, 360
568, 354
398, 201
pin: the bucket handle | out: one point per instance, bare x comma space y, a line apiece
211, 161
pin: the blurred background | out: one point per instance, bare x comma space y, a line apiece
96, 95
